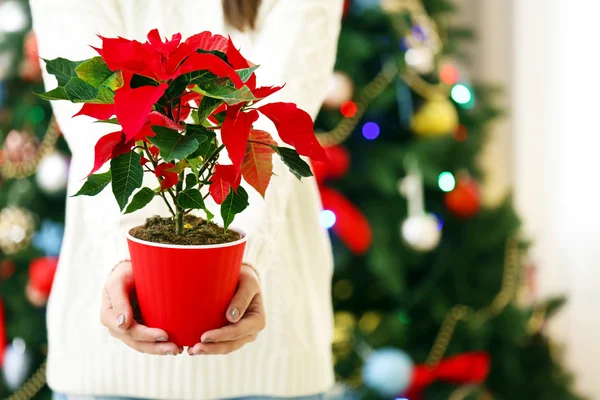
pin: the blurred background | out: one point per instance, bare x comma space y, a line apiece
460, 197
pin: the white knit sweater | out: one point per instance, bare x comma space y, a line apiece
295, 42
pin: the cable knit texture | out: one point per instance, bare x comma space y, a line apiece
295, 43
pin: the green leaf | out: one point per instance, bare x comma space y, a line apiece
94, 184
246, 73
71, 87
127, 174
206, 107
234, 203
109, 121
58, 93
62, 69
290, 157
191, 180
172, 144
222, 88
191, 198
204, 138
140, 199
217, 53
94, 71
139, 81
179, 167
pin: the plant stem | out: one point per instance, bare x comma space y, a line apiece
162, 194
210, 159
179, 211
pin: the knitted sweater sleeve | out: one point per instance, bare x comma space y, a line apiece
295, 43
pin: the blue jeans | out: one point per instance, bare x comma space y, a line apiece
58, 396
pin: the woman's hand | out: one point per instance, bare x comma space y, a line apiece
246, 314
117, 315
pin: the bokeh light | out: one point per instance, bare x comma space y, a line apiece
13, 16
446, 181
440, 220
37, 114
371, 130
461, 94
449, 74
460, 133
327, 219
348, 109
418, 33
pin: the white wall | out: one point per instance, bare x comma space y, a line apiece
556, 148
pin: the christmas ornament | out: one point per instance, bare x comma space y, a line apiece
2, 333
41, 277
16, 229
420, 230
388, 371
461, 369
339, 90
20, 147
437, 117
52, 173
464, 201
17, 364
49, 238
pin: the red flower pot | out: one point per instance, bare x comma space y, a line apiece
185, 290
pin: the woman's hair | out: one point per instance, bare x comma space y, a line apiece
241, 14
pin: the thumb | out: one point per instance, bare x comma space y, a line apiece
248, 288
118, 288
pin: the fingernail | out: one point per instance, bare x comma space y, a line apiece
169, 353
234, 314
161, 339
121, 320
207, 340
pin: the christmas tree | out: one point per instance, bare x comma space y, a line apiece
33, 176
428, 288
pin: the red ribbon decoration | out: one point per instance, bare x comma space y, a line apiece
351, 226
461, 369
2, 333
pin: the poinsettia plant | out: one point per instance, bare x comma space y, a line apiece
167, 100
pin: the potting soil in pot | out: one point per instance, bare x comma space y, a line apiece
197, 231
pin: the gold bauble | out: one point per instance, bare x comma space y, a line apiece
16, 229
437, 117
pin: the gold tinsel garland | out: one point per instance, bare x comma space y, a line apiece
33, 385
23, 170
461, 312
